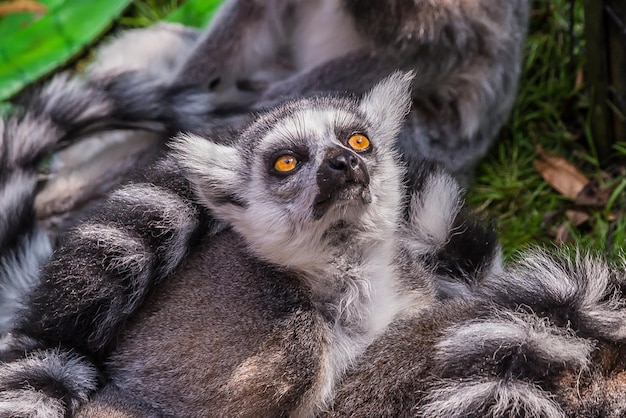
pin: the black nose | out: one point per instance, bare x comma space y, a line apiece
343, 175
344, 161
341, 166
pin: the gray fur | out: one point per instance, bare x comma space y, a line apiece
480, 358
590, 289
465, 81
339, 267
256, 54
26, 136
490, 398
46, 383
540, 337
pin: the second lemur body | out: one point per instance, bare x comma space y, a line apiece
256, 54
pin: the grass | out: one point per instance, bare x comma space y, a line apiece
551, 110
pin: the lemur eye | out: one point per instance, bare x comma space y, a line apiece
359, 142
285, 163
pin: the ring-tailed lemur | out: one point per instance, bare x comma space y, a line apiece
315, 189
467, 53
543, 338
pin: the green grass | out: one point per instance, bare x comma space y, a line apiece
551, 110
144, 13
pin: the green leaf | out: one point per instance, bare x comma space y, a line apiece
196, 13
41, 47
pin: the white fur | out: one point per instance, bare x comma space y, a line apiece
157, 52
13, 193
585, 283
30, 404
512, 329
211, 168
459, 398
77, 376
178, 216
433, 210
135, 263
22, 270
26, 137
87, 102
323, 31
136, 256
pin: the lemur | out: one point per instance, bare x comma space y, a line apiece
184, 115
318, 262
467, 55
543, 337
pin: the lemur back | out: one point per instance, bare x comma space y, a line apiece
466, 55
252, 327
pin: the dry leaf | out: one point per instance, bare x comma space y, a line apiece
560, 174
21, 6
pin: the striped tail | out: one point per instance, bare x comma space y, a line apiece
51, 120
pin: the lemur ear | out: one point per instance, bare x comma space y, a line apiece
212, 170
388, 102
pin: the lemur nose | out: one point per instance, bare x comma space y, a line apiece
344, 160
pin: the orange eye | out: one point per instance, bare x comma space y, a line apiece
285, 163
359, 142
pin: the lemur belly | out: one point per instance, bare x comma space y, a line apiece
226, 341
370, 301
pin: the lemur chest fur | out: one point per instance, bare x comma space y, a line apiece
357, 290
357, 293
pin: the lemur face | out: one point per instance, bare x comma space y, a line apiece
306, 164
313, 162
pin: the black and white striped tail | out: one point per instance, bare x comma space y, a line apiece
27, 135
